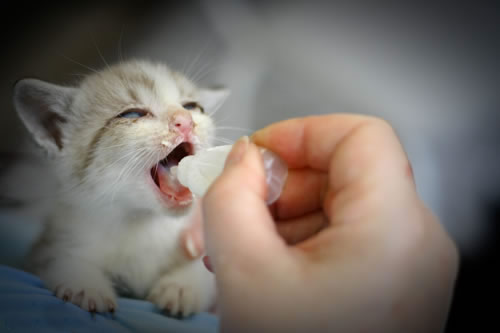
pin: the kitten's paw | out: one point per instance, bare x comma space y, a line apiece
84, 285
175, 298
91, 299
183, 292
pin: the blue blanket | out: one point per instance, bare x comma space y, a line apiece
26, 306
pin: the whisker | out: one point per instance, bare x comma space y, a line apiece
80, 64
158, 155
194, 62
220, 137
218, 121
120, 40
226, 141
151, 160
99, 52
202, 72
127, 170
216, 108
137, 141
134, 167
225, 128
112, 154
131, 153
118, 145
78, 75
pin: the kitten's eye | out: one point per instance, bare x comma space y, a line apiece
193, 106
133, 113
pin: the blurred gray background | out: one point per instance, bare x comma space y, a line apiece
431, 70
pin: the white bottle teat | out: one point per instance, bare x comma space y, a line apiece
197, 172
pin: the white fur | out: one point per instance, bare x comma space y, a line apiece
109, 225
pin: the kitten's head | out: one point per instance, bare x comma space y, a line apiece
116, 135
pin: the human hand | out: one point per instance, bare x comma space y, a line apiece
380, 262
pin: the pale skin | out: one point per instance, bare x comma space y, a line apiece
348, 247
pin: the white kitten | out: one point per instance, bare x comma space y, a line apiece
118, 213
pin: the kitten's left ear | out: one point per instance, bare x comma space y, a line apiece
212, 99
43, 107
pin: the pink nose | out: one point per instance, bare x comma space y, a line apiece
181, 121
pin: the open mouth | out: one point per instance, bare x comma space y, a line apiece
166, 181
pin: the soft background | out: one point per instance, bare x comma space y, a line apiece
431, 70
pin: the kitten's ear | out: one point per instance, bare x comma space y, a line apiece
212, 99
43, 107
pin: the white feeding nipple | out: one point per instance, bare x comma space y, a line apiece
197, 172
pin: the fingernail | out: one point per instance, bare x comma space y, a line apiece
239, 149
191, 248
208, 264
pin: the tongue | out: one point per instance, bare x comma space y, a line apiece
170, 186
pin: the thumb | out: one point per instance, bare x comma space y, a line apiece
239, 230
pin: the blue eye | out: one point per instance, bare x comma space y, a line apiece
133, 113
193, 106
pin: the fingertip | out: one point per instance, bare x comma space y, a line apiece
191, 249
208, 264
244, 170
192, 237
237, 152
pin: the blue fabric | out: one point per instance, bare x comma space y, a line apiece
26, 306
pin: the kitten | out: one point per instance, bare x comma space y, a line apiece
118, 213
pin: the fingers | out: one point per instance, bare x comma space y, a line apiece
308, 142
293, 231
301, 210
303, 193
368, 175
350, 148
313, 142
191, 238
371, 153
301, 228
364, 162
299, 213
240, 232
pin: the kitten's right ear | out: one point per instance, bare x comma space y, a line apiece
43, 108
212, 98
